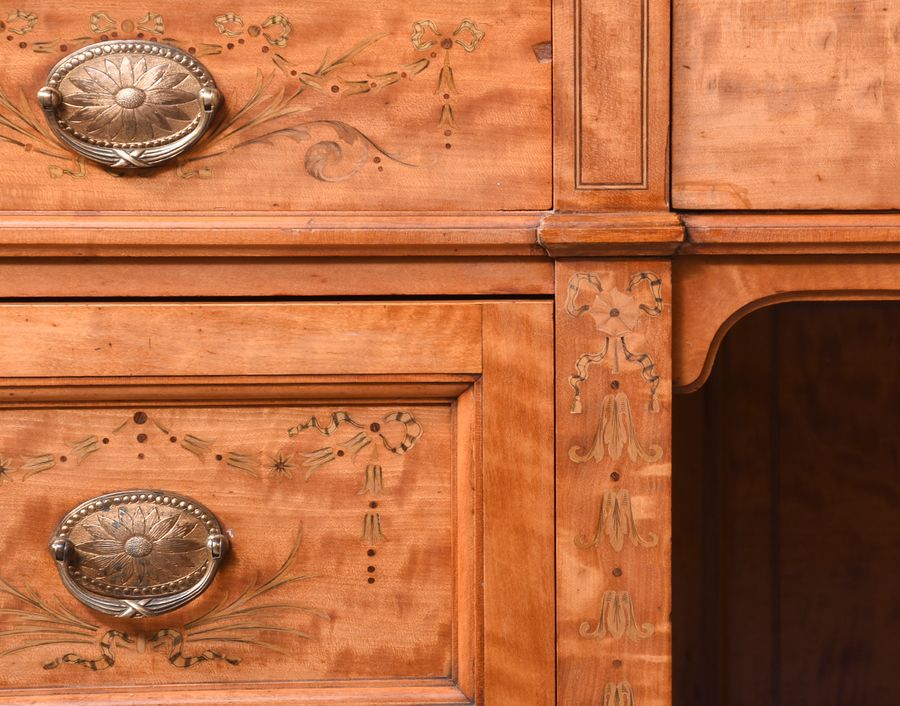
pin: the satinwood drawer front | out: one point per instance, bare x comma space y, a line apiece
333, 105
382, 473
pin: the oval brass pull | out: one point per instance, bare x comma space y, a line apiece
129, 104
138, 553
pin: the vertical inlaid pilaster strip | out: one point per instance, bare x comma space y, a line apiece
611, 104
613, 447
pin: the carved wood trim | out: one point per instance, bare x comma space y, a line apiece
714, 293
611, 234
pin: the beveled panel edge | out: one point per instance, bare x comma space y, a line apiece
390, 691
16, 393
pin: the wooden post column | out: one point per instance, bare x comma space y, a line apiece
613, 447
612, 235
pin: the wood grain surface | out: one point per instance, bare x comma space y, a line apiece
266, 486
233, 339
517, 449
332, 107
613, 496
717, 291
611, 104
436, 550
784, 105
791, 234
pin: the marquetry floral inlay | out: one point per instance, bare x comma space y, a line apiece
616, 315
618, 694
616, 434
117, 106
616, 523
617, 620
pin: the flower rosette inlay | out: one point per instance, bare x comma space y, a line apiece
128, 100
141, 548
615, 313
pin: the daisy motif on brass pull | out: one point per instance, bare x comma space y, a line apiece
141, 548
124, 101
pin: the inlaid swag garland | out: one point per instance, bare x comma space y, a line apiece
337, 150
616, 315
244, 619
397, 432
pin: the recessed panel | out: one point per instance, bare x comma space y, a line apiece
340, 526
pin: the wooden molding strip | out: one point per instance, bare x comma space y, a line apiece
261, 235
401, 235
611, 234
422, 691
807, 233
409, 235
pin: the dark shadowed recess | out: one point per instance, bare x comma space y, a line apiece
787, 513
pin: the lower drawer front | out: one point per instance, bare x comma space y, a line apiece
275, 503
340, 527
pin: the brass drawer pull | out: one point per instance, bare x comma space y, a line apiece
129, 104
138, 553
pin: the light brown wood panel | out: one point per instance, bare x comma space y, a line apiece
273, 277
613, 492
347, 589
436, 548
517, 451
715, 292
785, 105
611, 104
232, 339
337, 106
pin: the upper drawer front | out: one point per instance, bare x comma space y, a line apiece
334, 105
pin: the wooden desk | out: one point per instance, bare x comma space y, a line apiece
408, 320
